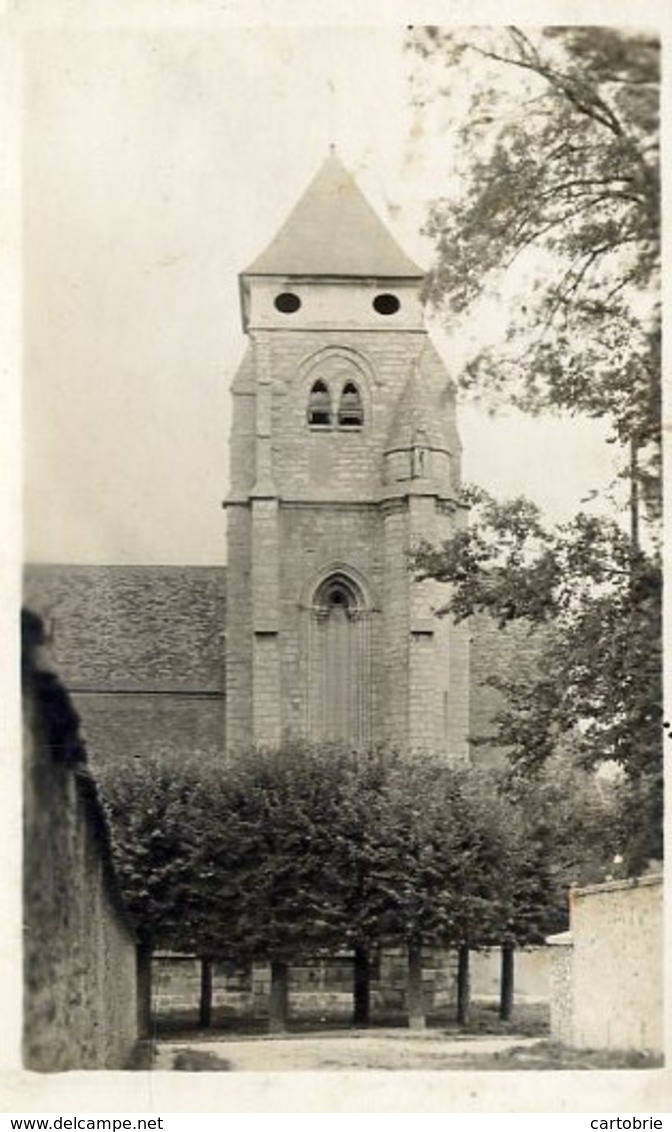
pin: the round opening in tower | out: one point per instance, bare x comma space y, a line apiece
287, 302
386, 304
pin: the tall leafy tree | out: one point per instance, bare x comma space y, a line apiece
594, 621
560, 201
362, 853
153, 839
230, 861
437, 862
558, 157
153, 846
562, 830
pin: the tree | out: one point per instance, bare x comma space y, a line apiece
306, 851
559, 160
560, 175
148, 805
150, 815
358, 843
594, 613
230, 861
483, 821
413, 864
437, 863
265, 873
527, 836
562, 831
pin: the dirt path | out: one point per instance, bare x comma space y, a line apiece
352, 1050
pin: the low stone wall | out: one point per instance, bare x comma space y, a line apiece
607, 983
532, 973
319, 988
561, 988
79, 951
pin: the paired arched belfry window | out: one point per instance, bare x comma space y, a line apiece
339, 687
319, 405
350, 412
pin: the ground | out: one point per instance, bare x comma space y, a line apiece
485, 1044
386, 1049
356, 1049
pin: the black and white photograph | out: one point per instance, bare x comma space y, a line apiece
341, 611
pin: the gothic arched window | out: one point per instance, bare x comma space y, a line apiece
319, 405
350, 411
339, 680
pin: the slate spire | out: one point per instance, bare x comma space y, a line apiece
334, 231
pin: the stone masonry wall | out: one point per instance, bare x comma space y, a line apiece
337, 463
617, 933
561, 988
312, 539
319, 988
329, 484
608, 980
79, 951
532, 973
239, 724
496, 651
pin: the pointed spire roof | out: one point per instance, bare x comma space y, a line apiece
414, 422
333, 230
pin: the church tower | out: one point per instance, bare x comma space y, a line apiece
344, 455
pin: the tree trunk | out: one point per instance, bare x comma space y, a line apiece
634, 498
144, 988
463, 984
414, 997
506, 985
361, 988
205, 1005
279, 997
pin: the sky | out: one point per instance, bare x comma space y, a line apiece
157, 164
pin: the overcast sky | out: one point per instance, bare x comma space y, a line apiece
158, 164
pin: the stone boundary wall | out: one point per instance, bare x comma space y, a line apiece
561, 988
607, 979
318, 988
79, 949
532, 975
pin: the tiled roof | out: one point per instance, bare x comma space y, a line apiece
334, 231
133, 628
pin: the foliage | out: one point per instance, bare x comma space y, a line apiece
313, 849
304, 850
435, 854
559, 160
559, 202
597, 677
57, 716
563, 830
154, 845
268, 877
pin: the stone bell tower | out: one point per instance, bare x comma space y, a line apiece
344, 454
